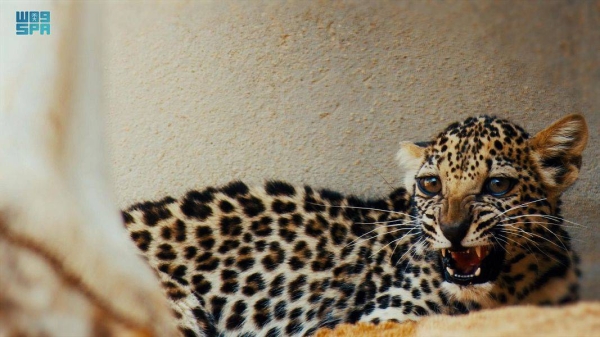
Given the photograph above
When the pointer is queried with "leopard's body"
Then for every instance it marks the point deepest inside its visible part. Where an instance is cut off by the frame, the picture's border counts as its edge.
(280, 260)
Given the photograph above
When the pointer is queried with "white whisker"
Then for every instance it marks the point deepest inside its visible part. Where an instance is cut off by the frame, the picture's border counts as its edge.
(539, 236)
(543, 224)
(520, 206)
(365, 208)
(405, 236)
(358, 239)
(550, 217)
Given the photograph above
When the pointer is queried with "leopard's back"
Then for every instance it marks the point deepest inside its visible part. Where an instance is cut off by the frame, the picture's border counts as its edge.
(281, 259)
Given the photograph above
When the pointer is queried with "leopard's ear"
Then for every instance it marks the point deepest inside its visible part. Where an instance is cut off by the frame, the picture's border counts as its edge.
(411, 156)
(557, 150)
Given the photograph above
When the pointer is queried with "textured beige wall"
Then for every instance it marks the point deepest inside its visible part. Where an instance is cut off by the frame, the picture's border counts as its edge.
(320, 93)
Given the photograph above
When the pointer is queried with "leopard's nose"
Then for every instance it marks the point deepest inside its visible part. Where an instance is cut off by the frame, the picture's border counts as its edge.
(455, 232)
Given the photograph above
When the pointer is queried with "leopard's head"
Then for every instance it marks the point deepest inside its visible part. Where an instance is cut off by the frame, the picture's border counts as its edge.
(486, 195)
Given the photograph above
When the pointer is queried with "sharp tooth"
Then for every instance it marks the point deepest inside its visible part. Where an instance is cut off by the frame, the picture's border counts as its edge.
(450, 271)
(478, 251)
(478, 271)
(444, 252)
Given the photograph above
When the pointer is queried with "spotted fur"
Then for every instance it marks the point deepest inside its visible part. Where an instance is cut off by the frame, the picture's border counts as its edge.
(279, 260)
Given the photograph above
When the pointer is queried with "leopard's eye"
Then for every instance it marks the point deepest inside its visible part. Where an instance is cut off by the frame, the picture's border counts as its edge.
(430, 186)
(499, 186)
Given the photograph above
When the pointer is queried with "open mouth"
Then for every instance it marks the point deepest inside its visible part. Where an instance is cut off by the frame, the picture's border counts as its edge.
(472, 265)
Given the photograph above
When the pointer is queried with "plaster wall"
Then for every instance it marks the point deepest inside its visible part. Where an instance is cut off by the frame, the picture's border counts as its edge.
(320, 93)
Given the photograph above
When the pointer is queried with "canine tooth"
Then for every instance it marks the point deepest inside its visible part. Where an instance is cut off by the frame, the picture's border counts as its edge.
(450, 271)
(478, 251)
(444, 252)
(478, 271)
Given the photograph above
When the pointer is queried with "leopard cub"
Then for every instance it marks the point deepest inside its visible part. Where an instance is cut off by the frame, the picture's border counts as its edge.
(476, 225)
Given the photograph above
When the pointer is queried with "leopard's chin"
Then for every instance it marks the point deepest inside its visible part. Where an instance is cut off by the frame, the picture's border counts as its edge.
(471, 265)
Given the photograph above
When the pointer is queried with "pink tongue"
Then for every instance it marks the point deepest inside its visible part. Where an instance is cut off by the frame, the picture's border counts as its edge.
(466, 262)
